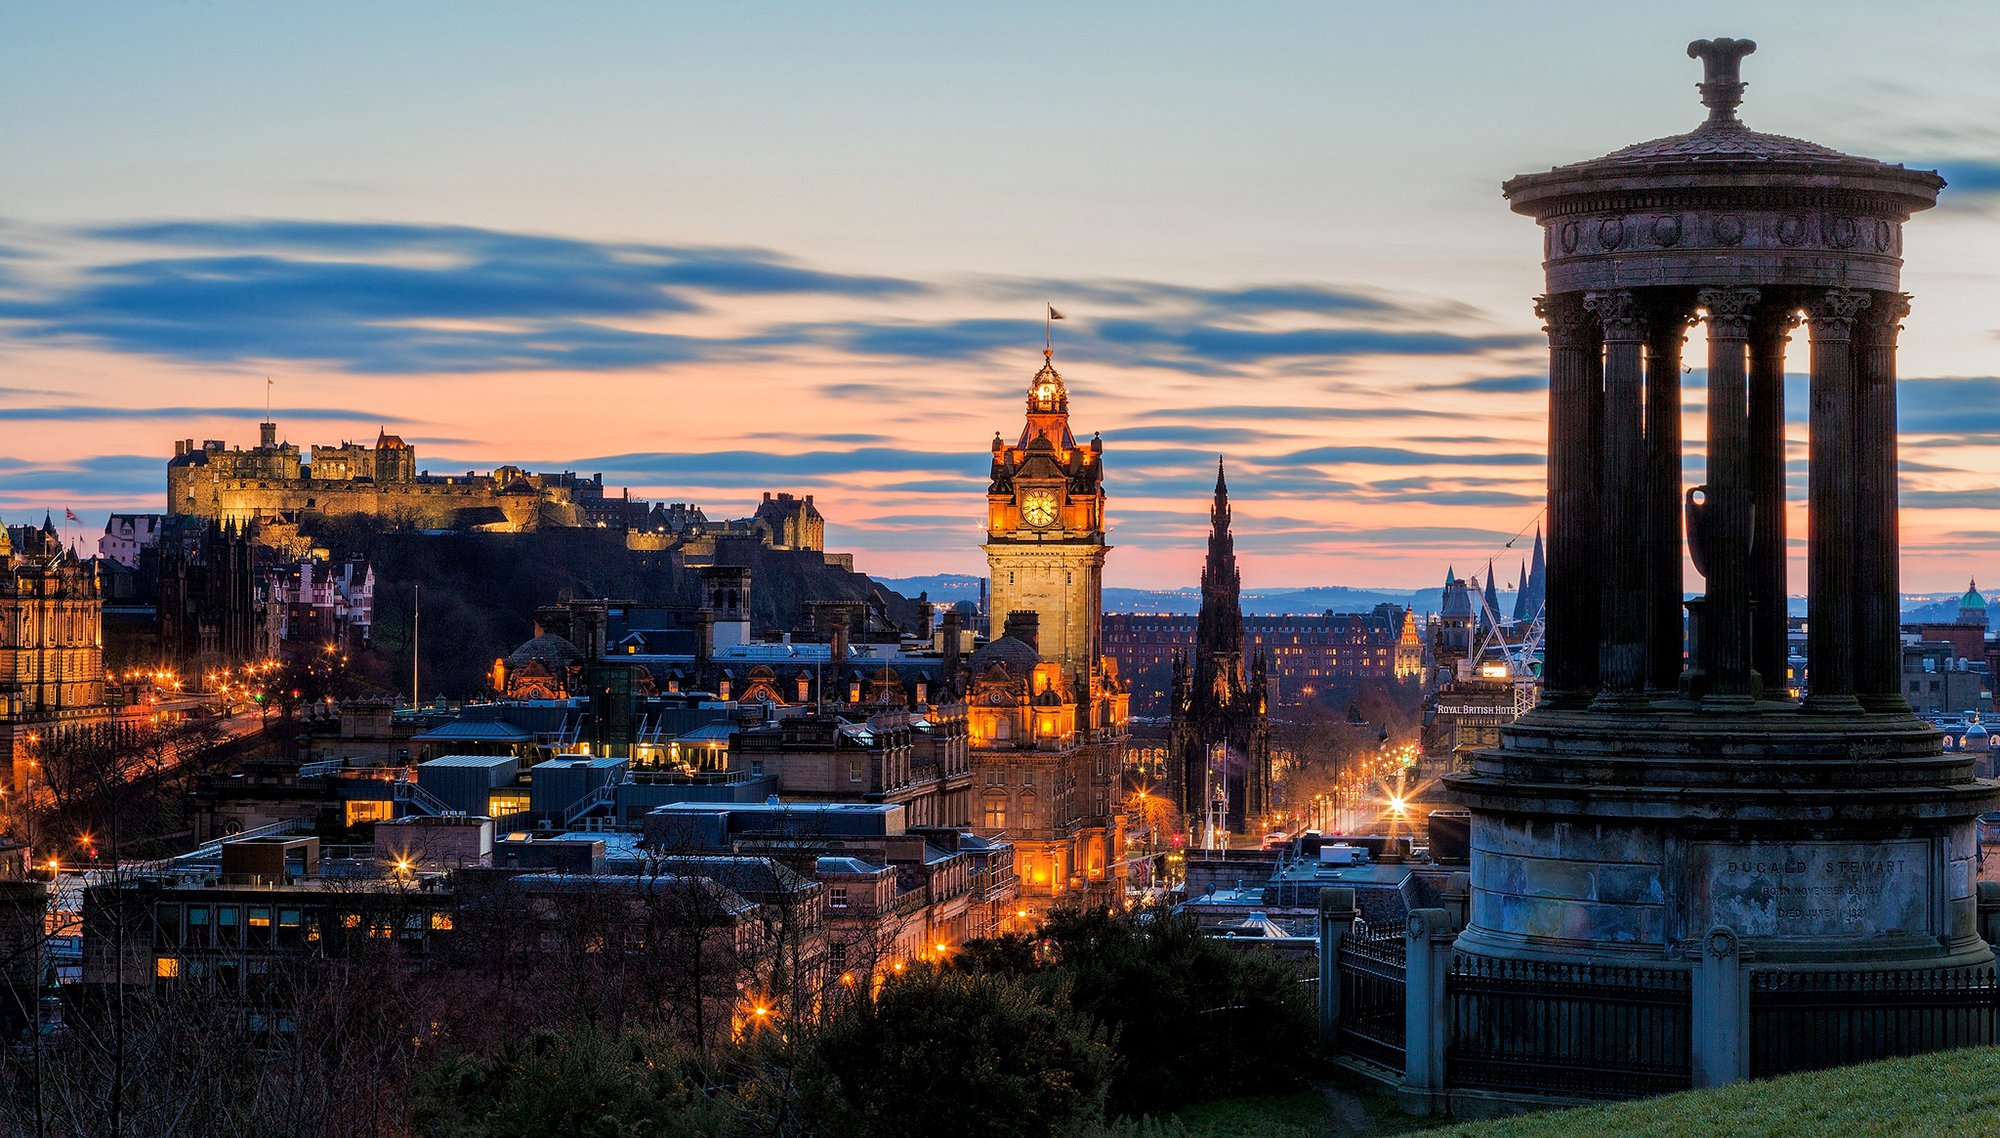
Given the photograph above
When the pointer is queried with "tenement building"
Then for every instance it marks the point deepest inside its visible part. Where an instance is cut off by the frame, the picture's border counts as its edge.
(51, 644)
(1046, 710)
(1685, 822)
(1219, 766)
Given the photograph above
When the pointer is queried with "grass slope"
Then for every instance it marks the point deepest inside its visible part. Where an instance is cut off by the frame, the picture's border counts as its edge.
(1948, 1095)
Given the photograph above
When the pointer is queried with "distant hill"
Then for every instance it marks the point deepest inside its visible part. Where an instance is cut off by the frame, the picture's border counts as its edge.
(1258, 602)
(1321, 598)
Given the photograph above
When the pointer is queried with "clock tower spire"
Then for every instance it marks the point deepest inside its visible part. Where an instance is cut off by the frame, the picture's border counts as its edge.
(1045, 529)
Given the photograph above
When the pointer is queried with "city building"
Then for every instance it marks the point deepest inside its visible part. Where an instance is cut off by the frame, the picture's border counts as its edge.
(1304, 654)
(1046, 709)
(1219, 772)
(51, 644)
(126, 535)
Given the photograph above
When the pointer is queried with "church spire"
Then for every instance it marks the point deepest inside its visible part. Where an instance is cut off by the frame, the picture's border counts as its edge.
(1219, 630)
(1218, 514)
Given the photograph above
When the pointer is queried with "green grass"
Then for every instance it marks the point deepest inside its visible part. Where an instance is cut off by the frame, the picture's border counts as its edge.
(1951, 1095)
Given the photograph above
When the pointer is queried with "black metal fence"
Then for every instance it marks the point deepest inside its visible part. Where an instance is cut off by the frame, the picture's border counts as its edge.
(1372, 993)
(1801, 1021)
(1567, 1029)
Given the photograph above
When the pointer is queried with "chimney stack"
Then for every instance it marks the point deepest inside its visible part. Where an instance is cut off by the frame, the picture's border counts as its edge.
(1025, 625)
(951, 636)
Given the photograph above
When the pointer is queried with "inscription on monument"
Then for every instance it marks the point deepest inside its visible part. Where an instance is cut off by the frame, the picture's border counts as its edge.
(1813, 889)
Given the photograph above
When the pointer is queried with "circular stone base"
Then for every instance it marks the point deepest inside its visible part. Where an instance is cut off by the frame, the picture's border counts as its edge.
(1819, 840)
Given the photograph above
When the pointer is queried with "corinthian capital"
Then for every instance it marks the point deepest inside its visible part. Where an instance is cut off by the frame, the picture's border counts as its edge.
(1884, 316)
(1729, 310)
(1619, 312)
(1563, 318)
(1830, 315)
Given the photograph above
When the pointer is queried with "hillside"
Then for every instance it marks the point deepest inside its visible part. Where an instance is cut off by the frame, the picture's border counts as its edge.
(1953, 1095)
(480, 592)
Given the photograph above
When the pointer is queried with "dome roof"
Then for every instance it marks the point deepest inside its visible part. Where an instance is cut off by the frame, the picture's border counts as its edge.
(1015, 655)
(1972, 599)
(1724, 154)
(548, 648)
(1724, 140)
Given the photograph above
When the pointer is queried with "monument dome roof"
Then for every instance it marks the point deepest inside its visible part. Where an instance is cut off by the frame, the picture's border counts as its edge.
(1723, 152)
(1973, 598)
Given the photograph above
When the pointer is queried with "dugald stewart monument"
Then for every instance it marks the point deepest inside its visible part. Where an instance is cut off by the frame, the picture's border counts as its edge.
(1692, 820)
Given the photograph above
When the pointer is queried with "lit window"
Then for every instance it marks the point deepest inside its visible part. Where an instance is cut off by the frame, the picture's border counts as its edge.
(441, 922)
(167, 968)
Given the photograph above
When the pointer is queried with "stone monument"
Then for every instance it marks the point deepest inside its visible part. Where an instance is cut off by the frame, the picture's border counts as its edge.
(1654, 801)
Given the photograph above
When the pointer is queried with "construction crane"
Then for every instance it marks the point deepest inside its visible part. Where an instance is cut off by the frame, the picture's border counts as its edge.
(1518, 655)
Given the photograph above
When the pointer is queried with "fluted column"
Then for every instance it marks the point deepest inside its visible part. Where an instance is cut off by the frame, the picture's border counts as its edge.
(1769, 644)
(1878, 664)
(1722, 538)
(1621, 574)
(1830, 497)
(1667, 334)
(1570, 636)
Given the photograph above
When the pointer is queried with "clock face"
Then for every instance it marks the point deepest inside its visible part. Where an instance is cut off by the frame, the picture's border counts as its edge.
(1038, 508)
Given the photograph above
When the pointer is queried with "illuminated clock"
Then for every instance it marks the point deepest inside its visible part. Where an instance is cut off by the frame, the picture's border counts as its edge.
(1038, 508)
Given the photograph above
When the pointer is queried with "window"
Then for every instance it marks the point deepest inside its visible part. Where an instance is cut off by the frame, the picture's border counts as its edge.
(441, 922)
(260, 925)
(996, 813)
(197, 926)
(228, 930)
(854, 770)
(167, 968)
(837, 899)
(1027, 778)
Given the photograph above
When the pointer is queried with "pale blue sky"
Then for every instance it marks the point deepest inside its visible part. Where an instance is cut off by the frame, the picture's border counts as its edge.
(964, 160)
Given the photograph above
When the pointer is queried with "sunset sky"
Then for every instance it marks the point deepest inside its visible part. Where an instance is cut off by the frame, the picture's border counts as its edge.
(712, 250)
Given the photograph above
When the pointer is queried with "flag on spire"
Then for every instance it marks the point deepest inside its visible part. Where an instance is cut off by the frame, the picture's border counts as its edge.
(1054, 315)
(71, 515)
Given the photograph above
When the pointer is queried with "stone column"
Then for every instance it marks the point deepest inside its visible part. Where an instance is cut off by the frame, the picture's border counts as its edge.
(1769, 646)
(1621, 659)
(1722, 541)
(1336, 924)
(1878, 650)
(1426, 1024)
(1721, 1011)
(1667, 327)
(1830, 497)
(1571, 633)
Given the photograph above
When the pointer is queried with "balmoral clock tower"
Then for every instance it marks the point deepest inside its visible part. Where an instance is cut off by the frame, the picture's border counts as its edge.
(1045, 529)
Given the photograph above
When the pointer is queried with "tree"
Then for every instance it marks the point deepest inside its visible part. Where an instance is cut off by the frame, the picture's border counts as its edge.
(577, 1082)
(1190, 1018)
(977, 1055)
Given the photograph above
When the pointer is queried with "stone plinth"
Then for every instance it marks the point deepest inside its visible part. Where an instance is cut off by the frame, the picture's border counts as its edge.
(1837, 840)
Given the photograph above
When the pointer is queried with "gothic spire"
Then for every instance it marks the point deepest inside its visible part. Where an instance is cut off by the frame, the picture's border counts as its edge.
(1219, 629)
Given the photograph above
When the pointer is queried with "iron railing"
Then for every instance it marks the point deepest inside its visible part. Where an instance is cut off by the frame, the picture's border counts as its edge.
(1802, 1021)
(1372, 996)
(1575, 1030)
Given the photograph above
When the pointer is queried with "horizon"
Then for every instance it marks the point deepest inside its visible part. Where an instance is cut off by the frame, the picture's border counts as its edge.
(708, 271)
